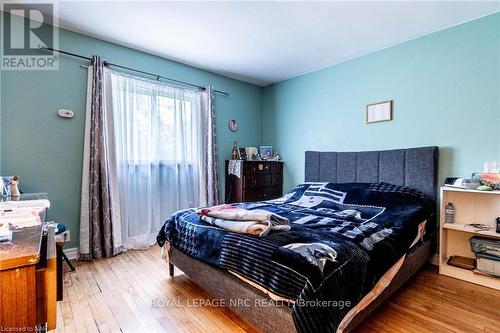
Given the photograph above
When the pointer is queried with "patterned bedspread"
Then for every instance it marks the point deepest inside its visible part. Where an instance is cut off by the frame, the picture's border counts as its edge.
(343, 238)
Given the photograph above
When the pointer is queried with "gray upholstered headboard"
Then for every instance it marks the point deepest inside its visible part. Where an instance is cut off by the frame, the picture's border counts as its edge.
(413, 167)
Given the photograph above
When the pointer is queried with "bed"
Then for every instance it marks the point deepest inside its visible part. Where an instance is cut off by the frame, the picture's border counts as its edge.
(402, 176)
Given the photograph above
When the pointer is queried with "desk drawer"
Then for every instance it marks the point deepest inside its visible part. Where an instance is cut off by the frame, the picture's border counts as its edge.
(46, 280)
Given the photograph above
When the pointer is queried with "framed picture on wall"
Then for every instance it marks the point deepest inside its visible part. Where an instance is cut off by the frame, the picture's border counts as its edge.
(378, 112)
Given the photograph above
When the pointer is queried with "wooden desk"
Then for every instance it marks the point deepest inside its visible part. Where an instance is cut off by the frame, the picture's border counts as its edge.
(28, 280)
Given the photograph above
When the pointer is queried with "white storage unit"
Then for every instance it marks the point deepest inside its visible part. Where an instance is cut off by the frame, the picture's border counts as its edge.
(471, 207)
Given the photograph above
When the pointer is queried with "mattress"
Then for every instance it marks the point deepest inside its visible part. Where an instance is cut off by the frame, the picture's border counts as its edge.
(377, 290)
(344, 239)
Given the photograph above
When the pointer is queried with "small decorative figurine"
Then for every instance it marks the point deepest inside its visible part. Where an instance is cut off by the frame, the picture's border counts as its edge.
(14, 187)
(234, 155)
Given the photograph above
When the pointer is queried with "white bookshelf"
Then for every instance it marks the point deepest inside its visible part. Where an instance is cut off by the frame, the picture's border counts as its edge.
(470, 207)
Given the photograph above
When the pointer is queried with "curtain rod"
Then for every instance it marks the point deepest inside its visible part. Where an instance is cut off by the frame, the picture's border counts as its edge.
(158, 77)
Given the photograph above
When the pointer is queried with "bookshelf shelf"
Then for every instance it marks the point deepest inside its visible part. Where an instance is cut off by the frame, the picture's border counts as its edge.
(471, 207)
(472, 230)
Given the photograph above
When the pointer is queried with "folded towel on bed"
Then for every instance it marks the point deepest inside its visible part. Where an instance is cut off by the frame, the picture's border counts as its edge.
(254, 222)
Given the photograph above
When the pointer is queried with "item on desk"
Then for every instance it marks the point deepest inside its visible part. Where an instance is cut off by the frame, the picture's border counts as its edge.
(465, 183)
(26, 204)
(449, 213)
(5, 232)
(251, 152)
(484, 188)
(20, 218)
(462, 262)
(6, 180)
(498, 224)
(14, 187)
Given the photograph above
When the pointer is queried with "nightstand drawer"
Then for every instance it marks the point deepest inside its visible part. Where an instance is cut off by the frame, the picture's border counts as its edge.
(252, 195)
(262, 168)
(261, 194)
(262, 181)
(258, 181)
(276, 168)
(248, 181)
(272, 192)
(276, 180)
(248, 168)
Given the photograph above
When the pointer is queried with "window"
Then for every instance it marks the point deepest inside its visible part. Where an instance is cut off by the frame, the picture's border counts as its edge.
(158, 124)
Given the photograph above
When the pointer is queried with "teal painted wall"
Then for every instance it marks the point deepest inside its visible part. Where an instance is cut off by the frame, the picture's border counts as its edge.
(46, 151)
(445, 87)
(446, 92)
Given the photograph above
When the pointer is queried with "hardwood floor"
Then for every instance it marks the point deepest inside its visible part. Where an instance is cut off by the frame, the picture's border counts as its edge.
(132, 292)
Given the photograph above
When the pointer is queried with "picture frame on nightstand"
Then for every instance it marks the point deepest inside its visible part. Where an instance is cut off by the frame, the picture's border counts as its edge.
(243, 154)
(266, 152)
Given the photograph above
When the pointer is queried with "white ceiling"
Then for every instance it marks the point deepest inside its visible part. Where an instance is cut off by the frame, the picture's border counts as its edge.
(264, 42)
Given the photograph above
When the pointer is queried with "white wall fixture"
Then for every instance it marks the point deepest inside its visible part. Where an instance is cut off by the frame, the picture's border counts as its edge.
(233, 125)
(65, 113)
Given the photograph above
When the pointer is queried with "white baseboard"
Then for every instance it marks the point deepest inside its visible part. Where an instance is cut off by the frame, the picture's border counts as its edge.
(72, 253)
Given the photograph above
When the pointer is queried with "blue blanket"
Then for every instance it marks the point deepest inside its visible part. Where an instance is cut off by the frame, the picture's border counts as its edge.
(343, 238)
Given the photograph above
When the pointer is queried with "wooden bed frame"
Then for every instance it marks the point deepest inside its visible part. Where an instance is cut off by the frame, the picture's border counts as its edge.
(413, 167)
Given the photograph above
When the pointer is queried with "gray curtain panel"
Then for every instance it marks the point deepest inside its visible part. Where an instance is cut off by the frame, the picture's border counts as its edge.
(100, 224)
(212, 169)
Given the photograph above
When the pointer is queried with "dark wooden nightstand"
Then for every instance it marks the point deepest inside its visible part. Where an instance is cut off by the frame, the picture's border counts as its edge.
(259, 180)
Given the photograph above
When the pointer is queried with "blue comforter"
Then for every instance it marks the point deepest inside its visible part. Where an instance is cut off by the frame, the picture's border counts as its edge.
(343, 238)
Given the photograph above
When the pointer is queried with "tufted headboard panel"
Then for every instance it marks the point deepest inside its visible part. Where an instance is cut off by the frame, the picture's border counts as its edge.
(413, 167)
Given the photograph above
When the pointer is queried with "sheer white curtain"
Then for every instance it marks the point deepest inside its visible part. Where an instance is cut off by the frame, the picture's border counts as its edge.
(156, 153)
